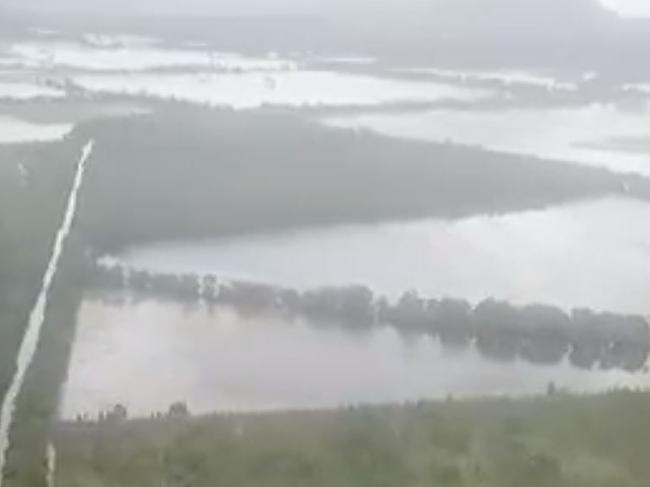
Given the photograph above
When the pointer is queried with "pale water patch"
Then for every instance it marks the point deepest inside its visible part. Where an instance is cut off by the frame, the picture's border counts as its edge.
(15, 64)
(149, 355)
(27, 91)
(350, 60)
(505, 76)
(566, 133)
(13, 130)
(118, 40)
(299, 88)
(594, 254)
(129, 56)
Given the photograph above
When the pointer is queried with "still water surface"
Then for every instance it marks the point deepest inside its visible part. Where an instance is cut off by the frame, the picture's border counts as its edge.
(150, 354)
(138, 56)
(290, 88)
(593, 254)
(14, 130)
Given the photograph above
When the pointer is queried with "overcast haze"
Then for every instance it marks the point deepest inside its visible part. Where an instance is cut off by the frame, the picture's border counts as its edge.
(624, 7)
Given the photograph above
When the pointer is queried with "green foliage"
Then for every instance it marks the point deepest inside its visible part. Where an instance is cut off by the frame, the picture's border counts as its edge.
(559, 441)
(39, 399)
(35, 180)
(31, 209)
(193, 172)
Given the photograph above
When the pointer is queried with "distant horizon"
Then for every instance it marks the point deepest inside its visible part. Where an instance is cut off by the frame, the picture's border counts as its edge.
(253, 8)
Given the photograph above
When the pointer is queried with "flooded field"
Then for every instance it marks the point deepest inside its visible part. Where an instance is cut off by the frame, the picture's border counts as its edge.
(600, 135)
(13, 130)
(504, 76)
(299, 88)
(415, 233)
(125, 55)
(16, 90)
(565, 256)
(150, 354)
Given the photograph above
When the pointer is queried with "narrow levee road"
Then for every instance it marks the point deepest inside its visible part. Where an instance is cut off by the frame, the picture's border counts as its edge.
(32, 335)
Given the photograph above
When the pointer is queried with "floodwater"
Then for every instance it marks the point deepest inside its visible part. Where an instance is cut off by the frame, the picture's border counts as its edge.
(350, 60)
(594, 254)
(26, 91)
(594, 134)
(150, 354)
(118, 54)
(505, 76)
(290, 88)
(14, 130)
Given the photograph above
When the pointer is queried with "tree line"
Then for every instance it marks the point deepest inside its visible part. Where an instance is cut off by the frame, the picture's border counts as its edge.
(536, 333)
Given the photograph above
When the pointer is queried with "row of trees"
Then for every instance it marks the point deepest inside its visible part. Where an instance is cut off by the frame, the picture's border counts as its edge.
(536, 333)
(120, 414)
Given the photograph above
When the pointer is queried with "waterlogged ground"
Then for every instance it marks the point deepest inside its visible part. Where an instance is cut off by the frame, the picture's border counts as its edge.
(135, 55)
(149, 354)
(594, 254)
(600, 135)
(288, 88)
(22, 90)
(198, 74)
(13, 130)
(548, 81)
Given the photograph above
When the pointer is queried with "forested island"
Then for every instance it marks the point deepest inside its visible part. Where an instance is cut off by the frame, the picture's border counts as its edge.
(268, 170)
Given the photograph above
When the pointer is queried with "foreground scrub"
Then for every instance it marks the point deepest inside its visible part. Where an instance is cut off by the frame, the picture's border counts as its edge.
(556, 441)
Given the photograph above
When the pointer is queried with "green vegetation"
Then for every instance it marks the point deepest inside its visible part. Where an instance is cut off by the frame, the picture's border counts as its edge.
(39, 399)
(35, 181)
(34, 184)
(557, 441)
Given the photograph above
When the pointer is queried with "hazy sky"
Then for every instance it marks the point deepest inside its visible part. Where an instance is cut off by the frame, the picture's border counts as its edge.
(624, 7)
(629, 7)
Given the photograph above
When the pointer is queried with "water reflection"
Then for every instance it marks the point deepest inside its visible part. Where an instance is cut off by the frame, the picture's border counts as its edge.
(541, 334)
(150, 354)
(565, 256)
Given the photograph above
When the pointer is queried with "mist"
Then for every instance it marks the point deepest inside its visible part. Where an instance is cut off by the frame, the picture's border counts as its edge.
(301, 7)
(324, 242)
